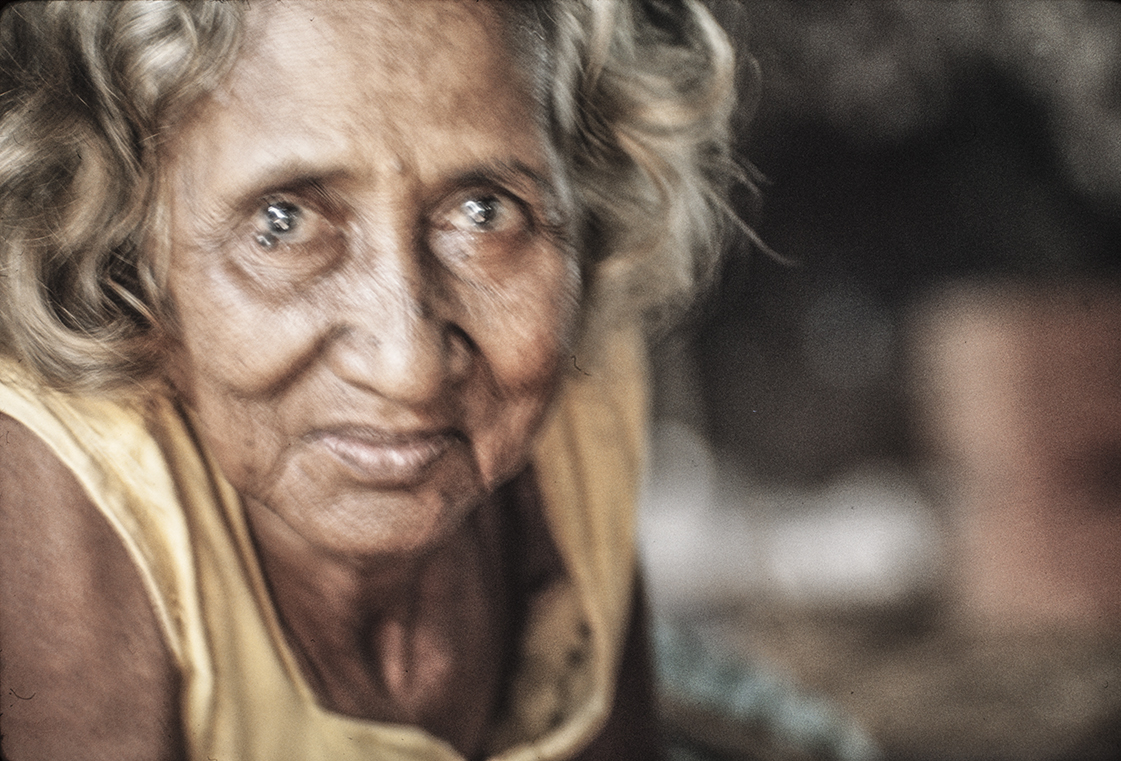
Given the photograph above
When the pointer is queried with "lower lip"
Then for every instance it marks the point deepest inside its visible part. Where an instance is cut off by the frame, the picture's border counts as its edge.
(388, 463)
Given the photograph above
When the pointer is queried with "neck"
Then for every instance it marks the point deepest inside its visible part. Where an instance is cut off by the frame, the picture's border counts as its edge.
(337, 587)
(406, 640)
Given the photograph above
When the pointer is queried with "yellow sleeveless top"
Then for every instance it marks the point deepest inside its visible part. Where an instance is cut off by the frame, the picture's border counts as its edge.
(243, 697)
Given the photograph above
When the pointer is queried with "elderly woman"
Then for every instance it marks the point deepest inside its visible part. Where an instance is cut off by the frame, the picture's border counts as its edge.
(322, 383)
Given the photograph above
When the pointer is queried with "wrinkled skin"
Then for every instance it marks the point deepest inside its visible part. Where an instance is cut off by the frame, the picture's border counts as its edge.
(371, 374)
(373, 289)
(371, 368)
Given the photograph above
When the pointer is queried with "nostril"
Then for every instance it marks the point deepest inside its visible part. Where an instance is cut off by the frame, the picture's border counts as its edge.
(410, 360)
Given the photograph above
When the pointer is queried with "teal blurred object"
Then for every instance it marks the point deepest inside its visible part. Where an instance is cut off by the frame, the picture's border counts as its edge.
(717, 707)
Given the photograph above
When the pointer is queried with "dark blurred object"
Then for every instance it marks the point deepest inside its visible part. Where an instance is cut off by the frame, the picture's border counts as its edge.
(910, 146)
(905, 144)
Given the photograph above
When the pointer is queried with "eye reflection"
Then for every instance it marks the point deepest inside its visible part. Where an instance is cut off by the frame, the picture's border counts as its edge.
(480, 211)
(281, 218)
(484, 213)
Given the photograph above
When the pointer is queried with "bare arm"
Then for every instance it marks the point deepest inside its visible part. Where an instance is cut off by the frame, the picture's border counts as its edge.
(84, 670)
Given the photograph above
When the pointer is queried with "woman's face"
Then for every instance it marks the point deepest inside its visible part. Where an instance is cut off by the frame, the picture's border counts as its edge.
(369, 268)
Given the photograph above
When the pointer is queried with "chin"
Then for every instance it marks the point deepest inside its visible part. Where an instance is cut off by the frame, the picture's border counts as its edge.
(347, 517)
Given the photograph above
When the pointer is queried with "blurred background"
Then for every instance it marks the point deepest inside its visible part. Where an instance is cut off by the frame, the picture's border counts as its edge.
(887, 462)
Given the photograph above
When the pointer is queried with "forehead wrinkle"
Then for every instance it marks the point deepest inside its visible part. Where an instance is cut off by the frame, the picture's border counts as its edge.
(393, 37)
(406, 83)
(375, 120)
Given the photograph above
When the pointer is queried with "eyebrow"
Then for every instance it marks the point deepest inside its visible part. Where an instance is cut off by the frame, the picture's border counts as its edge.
(503, 172)
(285, 175)
(511, 172)
(298, 174)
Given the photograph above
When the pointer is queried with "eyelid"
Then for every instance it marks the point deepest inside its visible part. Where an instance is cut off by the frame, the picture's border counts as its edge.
(453, 203)
(535, 193)
(308, 192)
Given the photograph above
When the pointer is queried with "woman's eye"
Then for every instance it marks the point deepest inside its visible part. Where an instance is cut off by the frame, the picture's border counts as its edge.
(293, 237)
(483, 214)
(280, 221)
(482, 228)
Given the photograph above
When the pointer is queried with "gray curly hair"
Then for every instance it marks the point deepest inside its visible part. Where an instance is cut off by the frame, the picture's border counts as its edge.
(638, 94)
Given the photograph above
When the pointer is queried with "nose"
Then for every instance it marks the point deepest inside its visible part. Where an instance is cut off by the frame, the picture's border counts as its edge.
(396, 335)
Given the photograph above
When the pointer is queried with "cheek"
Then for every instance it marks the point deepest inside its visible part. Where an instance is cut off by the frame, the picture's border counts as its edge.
(231, 350)
(232, 339)
(525, 336)
(529, 324)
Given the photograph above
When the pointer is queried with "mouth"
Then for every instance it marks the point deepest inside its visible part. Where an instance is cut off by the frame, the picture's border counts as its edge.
(387, 460)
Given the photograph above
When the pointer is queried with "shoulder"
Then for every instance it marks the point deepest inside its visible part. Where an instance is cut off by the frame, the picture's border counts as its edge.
(84, 669)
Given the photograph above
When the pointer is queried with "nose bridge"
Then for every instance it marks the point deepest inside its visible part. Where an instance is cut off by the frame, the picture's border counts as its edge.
(393, 337)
